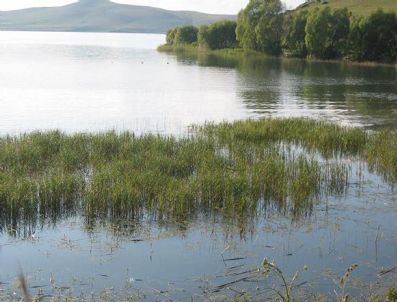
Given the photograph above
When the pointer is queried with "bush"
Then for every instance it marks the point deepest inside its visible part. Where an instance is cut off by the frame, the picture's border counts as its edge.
(269, 33)
(245, 31)
(374, 38)
(327, 33)
(185, 35)
(259, 26)
(218, 35)
(170, 38)
(322, 33)
(294, 37)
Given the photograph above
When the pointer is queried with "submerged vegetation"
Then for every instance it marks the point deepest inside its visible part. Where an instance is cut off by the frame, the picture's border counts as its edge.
(234, 169)
(271, 284)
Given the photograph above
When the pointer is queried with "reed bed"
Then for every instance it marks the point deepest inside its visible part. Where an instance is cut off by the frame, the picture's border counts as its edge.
(231, 168)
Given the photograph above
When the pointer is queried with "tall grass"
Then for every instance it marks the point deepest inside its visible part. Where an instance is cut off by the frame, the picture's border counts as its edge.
(232, 169)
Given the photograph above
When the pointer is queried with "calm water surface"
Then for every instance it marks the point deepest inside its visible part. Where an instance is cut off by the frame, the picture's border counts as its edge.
(94, 82)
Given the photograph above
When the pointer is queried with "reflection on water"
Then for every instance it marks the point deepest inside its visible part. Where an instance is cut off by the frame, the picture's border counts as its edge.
(114, 81)
(93, 82)
(350, 94)
(63, 251)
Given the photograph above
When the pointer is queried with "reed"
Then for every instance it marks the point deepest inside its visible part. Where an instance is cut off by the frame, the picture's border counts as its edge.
(232, 169)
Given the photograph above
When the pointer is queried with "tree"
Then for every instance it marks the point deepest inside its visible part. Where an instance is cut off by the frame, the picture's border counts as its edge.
(327, 33)
(202, 35)
(245, 31)
(294, 38)
(247, 20)
(374, 38)
(269, 32)
(170, 38)
(340, 28)
(317, 32)
(356, 47)
(186, 35)
(259, 26)
(218, 35)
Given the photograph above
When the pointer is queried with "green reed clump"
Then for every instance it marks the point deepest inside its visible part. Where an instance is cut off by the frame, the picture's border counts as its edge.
(378, 149)
(178, 177)
(392, 295)
(381, 154)
(63, 188)
(31, 153)
(231, 168)
(328, 138)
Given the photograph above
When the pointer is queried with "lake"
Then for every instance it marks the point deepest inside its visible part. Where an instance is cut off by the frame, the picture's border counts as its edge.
(83, 82)
(93, 82)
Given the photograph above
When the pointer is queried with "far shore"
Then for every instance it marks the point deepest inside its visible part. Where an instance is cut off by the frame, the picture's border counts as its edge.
(239, 52)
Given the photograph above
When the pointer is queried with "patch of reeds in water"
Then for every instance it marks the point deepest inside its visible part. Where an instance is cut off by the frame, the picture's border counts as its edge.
(231, 168)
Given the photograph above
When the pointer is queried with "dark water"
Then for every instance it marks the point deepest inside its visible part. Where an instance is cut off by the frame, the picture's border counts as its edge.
(349, 94)
(94, 82)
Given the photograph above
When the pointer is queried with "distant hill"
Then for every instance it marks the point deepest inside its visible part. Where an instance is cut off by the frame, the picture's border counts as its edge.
(357, 7)
(102, 16)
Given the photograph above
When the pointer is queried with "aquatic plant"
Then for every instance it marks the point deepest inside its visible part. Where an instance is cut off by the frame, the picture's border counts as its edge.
(392, 295)
(235, 170)
(271, 268)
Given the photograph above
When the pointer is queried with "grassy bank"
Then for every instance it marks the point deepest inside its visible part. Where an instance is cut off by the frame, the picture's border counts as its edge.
(357, 7)
(230, 168)
(237, 53)
(179, 48)
(196, 49)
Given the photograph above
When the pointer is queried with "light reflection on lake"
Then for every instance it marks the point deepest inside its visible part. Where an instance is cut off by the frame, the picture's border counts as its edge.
(94, 82)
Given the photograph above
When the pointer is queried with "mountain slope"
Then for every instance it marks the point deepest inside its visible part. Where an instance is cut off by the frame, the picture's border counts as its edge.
(357, 7)
(102, 16)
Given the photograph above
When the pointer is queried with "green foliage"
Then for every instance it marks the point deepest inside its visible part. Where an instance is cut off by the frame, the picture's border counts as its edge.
(340, 28)
(245, 31)
(295, 34)
(323, 34)
(318, 33)
(202, 36)
(170, 37)
(327, 33)
(218, 35)
(185, 35)
(392, 295)
(356, 37)
(268, 34)
(259, 26)
(359, 8)
(374, 38)
(237, 167)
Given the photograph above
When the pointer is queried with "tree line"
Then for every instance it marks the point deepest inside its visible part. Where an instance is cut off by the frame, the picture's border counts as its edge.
(265, 26)
(219, 35)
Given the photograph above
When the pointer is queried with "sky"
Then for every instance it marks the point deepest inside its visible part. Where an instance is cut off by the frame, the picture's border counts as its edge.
(208, 6)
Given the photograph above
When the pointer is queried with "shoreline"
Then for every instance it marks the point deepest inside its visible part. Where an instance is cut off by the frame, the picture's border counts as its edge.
(239, 52)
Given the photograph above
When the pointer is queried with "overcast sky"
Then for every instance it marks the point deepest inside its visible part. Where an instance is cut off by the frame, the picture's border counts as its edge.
(209, 6)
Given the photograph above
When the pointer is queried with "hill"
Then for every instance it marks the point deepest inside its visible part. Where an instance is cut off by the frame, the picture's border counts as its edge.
(102, 16)
(357, 7)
